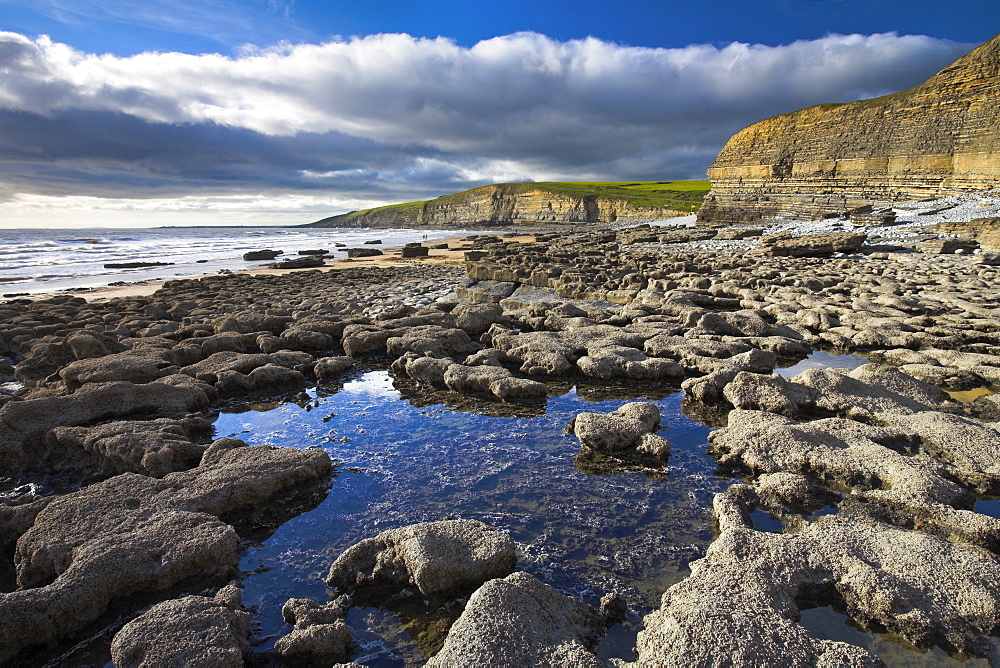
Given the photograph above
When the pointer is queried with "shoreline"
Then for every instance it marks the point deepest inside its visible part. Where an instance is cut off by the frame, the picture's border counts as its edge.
(391, 256)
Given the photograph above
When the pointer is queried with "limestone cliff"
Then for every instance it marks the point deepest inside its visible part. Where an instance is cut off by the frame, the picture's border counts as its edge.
(939, 138)
(509, 204)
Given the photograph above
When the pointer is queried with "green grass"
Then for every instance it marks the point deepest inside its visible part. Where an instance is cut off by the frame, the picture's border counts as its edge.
(676, 195)
(402, 210)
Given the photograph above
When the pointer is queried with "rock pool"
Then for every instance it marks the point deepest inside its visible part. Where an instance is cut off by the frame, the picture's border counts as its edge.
(584, 525)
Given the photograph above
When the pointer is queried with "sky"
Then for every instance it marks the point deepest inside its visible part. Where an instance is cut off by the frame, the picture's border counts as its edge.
(128, 113)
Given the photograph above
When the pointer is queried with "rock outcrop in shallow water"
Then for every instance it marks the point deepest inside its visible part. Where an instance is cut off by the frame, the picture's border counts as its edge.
(631, 427)
(438, 558)
(743, 599)
(190, 631)
(132, 533)
(319, 637)
(519, 621)
(939, 138)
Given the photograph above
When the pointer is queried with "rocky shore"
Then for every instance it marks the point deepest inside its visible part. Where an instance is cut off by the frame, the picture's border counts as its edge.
(873, 473)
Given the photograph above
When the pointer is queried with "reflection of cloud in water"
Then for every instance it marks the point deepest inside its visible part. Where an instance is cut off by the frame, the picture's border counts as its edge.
(820, 359)
(374, 384)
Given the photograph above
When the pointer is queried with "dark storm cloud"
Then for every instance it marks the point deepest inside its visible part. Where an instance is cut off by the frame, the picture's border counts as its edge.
(107, 154)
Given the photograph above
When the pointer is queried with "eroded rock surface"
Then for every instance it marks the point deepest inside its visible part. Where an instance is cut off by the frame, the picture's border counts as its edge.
(520, 621)
(133, 533)
(190, 631)
(741, 599)
(438, 558)
(319, 637)
(631, 426)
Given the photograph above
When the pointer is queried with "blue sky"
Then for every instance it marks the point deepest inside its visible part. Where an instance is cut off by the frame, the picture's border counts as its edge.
(130, 112)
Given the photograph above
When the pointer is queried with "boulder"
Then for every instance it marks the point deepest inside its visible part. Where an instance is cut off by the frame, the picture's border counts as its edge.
(948, 246)
(429, 370)
(473, 379)
(302, 338)
(432, 340)
(539, 353)
(772, 393)
(134, 366)
(411, 251)
(614, 362)
(519, 621)
(813, 245)
(303, 262)
(266, 254)
(234, 373)
(476, 318)
(679, 347)
(739, 323)
(486, 291)
(327, 368)
(721, 372)
(319, 637)
(616, 431)
(86, 345)
(23, 424)
(160, 551)
(132, 533)
(190, 631)
(42, 361)
(239, 478)
(440, 559)
(518, 389)
(363, 252)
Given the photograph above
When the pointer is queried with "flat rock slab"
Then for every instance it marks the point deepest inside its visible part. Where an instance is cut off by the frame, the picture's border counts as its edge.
(133, 533)
(740, 600)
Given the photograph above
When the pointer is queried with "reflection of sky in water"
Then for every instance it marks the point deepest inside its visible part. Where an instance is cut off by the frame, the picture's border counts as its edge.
(373, 384)
(830, 624)
(400, 464)
(820, 359)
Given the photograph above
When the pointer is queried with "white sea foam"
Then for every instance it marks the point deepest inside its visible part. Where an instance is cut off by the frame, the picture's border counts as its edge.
(42, 261)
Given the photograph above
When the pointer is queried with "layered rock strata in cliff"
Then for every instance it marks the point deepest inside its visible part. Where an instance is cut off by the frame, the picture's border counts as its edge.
(503, 205)
(940, 138)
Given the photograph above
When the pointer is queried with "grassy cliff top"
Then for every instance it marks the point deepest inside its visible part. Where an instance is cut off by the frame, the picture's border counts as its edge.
(676, 195)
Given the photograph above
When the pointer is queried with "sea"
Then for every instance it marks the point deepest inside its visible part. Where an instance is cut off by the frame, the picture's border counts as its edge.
(34, 261)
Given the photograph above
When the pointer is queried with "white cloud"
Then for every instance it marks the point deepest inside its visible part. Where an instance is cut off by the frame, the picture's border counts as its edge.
(421, 117)
(27, 210)
(400, 89)
(235, 203)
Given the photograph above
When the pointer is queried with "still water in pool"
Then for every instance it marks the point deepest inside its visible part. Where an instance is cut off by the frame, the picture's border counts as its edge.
(583, 525)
